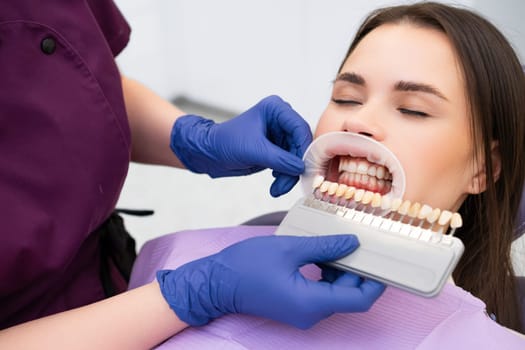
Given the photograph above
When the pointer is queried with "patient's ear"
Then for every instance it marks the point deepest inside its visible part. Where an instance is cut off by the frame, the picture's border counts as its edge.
(478, 183)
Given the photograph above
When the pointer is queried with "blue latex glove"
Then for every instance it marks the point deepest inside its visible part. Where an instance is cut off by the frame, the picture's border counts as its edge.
(260, 276)
(268, 135)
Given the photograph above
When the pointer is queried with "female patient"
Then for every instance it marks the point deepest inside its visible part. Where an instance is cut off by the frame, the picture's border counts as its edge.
(442, 89)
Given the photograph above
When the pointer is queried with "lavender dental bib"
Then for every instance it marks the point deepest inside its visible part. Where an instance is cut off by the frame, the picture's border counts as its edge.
(398, 320)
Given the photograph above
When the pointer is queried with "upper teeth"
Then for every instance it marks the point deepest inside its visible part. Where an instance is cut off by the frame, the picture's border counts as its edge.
(363, 167)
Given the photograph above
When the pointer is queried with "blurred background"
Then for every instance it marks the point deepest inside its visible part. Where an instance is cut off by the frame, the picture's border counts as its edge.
(217, 59)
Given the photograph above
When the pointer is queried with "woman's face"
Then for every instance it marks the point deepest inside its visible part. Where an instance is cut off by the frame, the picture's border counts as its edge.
(403, 87)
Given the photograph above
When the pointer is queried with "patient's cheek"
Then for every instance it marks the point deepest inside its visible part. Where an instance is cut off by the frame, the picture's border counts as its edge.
(322, 128)
(322, 125)
(330, 120)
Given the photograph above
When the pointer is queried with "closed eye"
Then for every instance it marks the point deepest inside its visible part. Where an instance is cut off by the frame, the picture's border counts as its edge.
(346, 102)
(413, 112)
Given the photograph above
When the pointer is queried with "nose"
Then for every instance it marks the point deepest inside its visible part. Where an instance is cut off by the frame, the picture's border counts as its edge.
(366, 121)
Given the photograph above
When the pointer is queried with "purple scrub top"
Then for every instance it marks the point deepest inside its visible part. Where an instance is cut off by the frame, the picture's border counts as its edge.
(64, 150)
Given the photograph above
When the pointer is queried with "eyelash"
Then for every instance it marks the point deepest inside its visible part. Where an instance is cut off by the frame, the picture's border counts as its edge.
(402, 110)
(346, 102)
(412, 112)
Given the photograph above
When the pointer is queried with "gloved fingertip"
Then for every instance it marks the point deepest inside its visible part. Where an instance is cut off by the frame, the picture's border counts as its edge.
(280, 160)
(303, 146)
(341, 245)
(273, 99)
(373, 288)
(347, 242)
(297, 166)
(289, 164)
(348, 279)
(282, 184)
(317, 249)
(353, 241)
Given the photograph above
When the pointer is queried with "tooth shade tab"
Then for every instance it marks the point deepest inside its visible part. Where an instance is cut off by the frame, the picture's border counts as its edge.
(424, 212)
(341, 189)
(332, 188)
(403, 209)
(324, 186)
(444, 218)
(376, 200)
(414, 210)
(434, 215)
(396, 203)
(359, 195)
(386, 203)
(456, 221)
(318, 180)
(367, 197)
(350, 192)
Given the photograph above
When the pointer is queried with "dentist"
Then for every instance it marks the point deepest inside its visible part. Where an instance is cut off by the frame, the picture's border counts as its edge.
(69, 126)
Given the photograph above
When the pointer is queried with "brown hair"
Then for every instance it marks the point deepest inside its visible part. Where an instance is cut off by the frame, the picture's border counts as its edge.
(495, 91)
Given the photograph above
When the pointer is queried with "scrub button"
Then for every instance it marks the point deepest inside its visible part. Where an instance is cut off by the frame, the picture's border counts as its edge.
(48, 45)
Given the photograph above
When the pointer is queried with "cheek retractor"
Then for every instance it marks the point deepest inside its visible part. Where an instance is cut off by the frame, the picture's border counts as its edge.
(401, 243)
(333, 144)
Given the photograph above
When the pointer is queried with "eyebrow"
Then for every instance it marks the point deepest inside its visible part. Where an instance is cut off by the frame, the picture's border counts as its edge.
(411, 86)
(351, 78)
(402, 85)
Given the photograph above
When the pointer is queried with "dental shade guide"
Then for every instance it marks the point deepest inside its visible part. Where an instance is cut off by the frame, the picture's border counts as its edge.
(402, 244)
